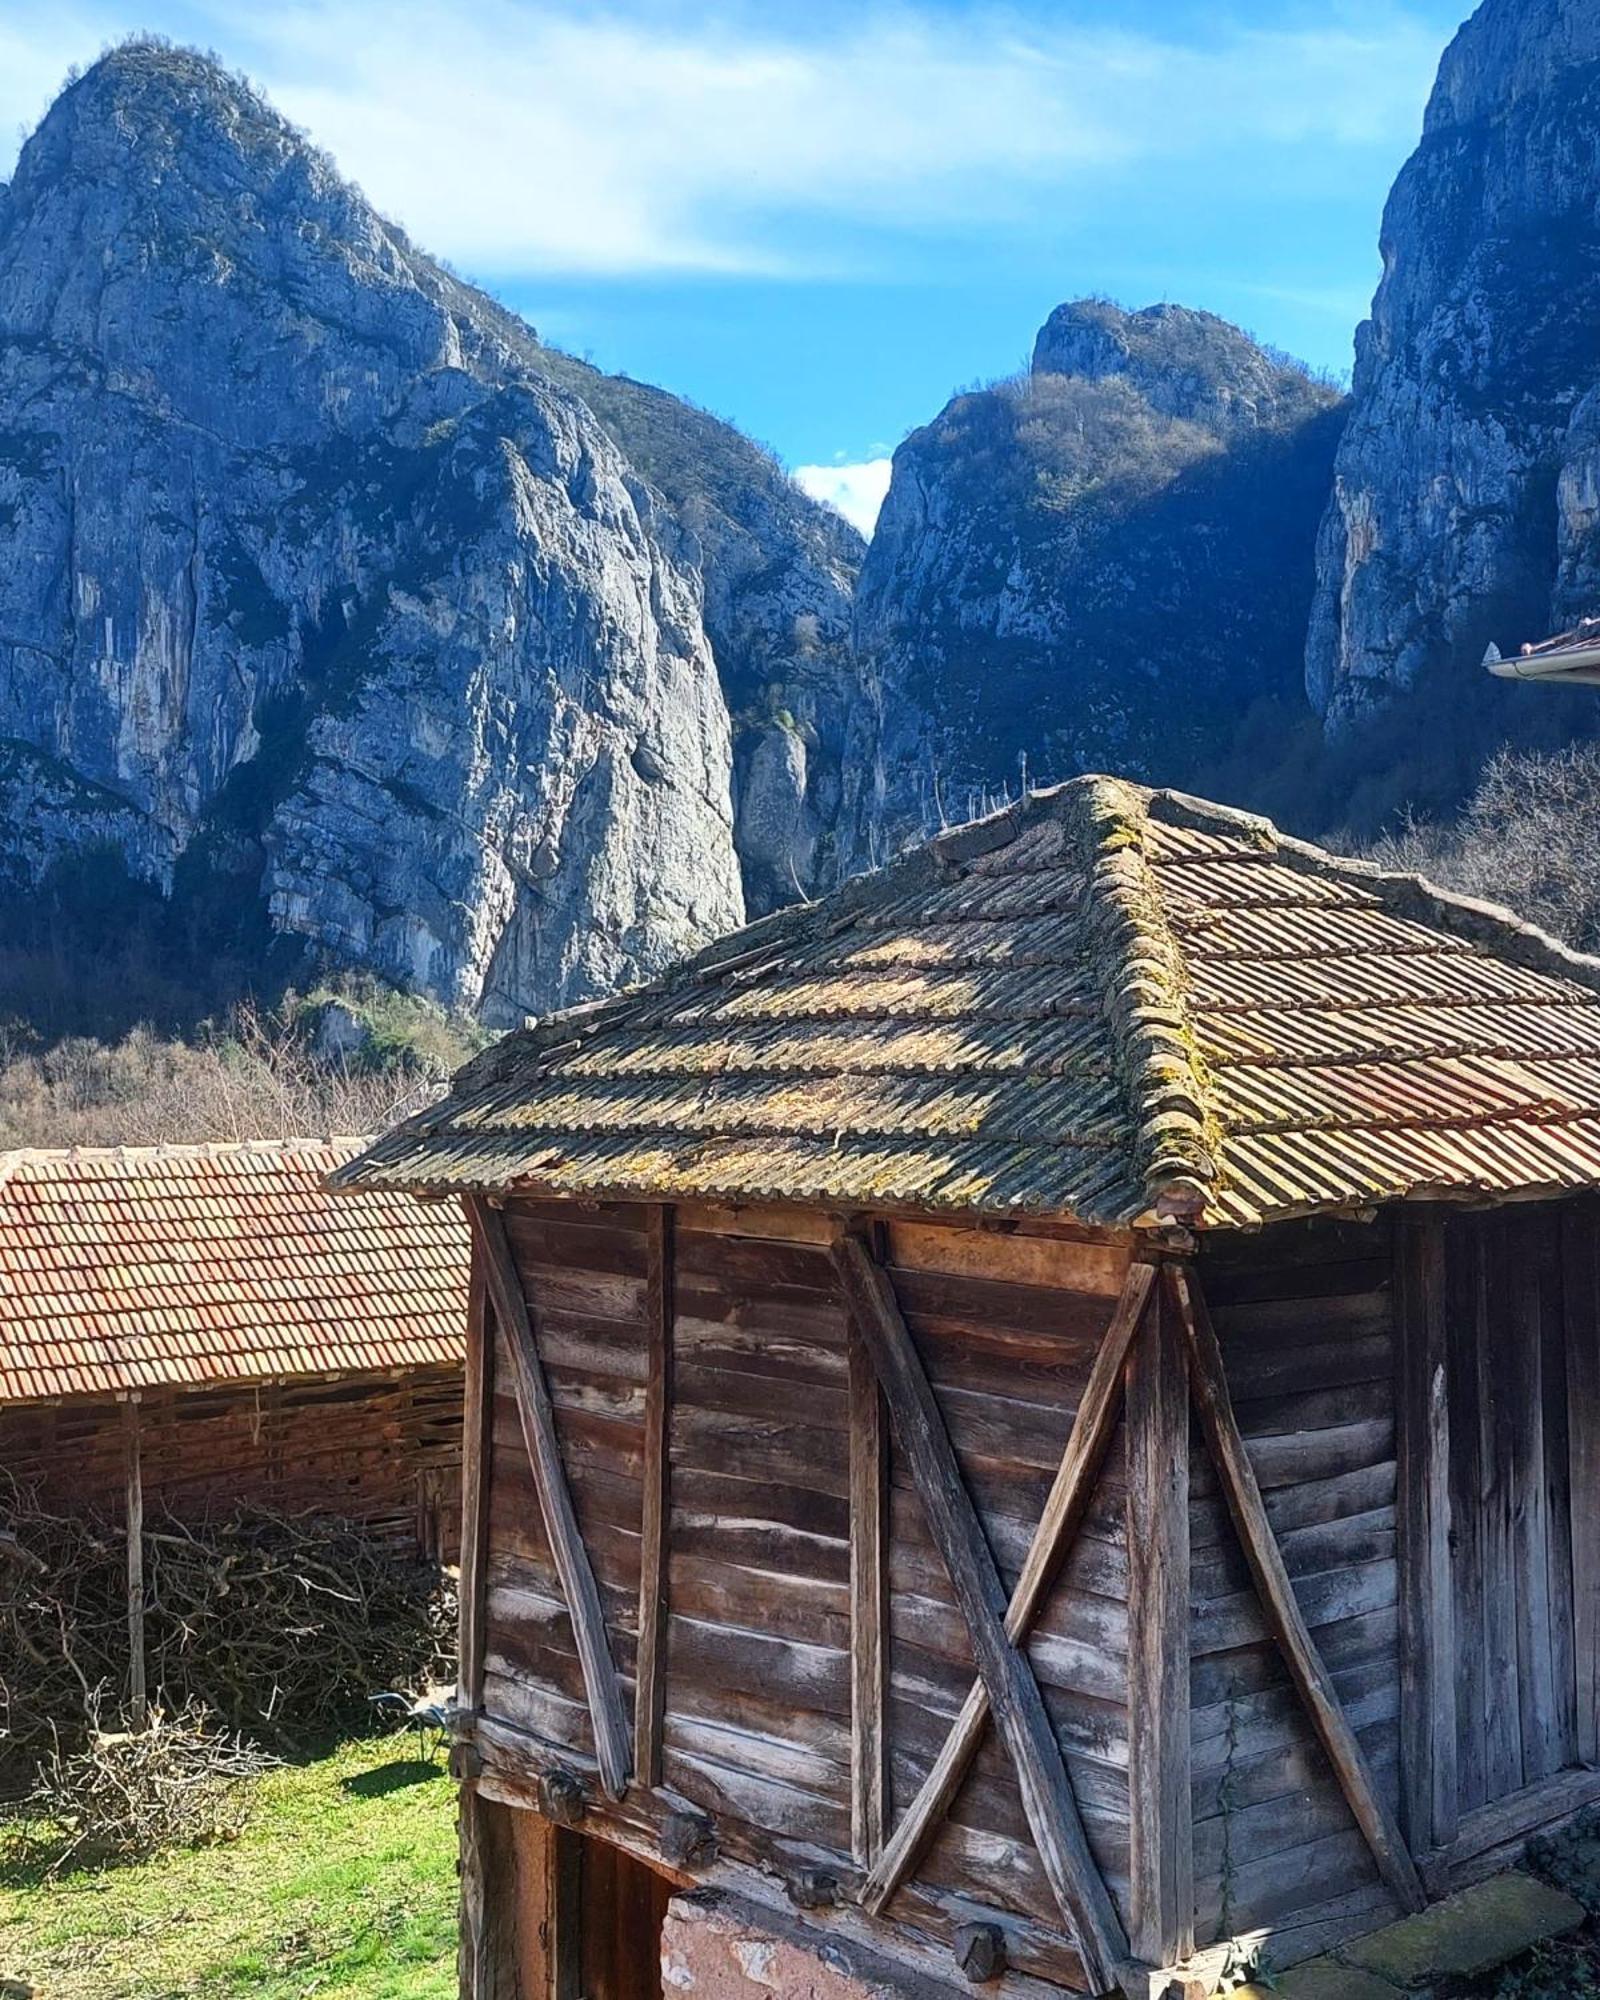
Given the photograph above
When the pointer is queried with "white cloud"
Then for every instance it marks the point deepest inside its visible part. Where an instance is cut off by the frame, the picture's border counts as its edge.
(528, 137)
(856, 490)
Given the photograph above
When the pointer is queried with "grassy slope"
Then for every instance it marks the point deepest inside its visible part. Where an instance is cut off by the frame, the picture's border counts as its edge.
(341, 1887)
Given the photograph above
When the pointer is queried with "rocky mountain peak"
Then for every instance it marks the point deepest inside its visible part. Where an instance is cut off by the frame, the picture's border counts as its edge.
(353, 620)
(1506, 53)
(1184, 363)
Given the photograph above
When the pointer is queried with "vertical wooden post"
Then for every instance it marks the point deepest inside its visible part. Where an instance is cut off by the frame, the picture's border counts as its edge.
(477, 1446)
(650, 1682)
(1581, 1294)
(138, 1694)
(1428, 1790)
(869, 1606)
(1161, 1812)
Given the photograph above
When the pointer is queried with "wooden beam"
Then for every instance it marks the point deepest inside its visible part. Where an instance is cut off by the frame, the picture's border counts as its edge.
(650, 1684)
(1160, 1809)
(869, 1606)
(477, 1444)
(1209, 1384)
(1019, 1710)
(1581, 1293)
(1058, 1525)
(612, 1748)
(1428, 1792)
(133, 1474)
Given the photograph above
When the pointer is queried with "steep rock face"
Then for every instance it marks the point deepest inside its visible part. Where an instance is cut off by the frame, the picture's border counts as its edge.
(1098, 566)
(1466, 488)
(335, 603)
(780, 575)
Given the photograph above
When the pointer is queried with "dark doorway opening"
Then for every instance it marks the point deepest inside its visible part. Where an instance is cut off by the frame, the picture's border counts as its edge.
(621, 1906)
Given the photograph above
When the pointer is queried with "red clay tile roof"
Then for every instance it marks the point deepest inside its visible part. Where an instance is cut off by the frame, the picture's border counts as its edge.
(1104, 1002)
(184, 1266)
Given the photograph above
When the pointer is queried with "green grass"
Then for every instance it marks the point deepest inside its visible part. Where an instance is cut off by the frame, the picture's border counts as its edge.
(342, 1886)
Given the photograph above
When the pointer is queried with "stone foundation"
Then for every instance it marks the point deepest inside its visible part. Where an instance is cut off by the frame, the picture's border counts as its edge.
(716, 1947)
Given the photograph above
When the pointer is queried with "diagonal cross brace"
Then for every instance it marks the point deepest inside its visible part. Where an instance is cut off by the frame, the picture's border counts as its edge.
(1208, 1385)
(1063, 1511)
(612, 1748)
(1013, 1693)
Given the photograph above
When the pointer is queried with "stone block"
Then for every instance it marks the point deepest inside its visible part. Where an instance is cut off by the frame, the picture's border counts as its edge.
(1323, 1979)
(1467, 1933)
(717, 1947)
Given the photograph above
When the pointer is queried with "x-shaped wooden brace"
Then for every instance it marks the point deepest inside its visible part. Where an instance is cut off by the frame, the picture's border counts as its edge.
(997, 1628)
(1006, 1685)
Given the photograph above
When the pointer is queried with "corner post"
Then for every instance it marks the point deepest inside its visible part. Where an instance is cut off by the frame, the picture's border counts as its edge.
(1428, 1789)
(1161, 1829)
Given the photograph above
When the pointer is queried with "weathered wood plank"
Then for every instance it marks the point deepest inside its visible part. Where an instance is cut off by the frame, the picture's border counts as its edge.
(869, 1607)
(1498, 1415)
(1581, 1292)
(1099, 1268)
(1427, 1626)
(544, 1454)
(650, 1692)
(1012, 1692)
(1208, 1382)
(1161, 1855)
(1542, 1749)
(133, 1528)
(477, 1447)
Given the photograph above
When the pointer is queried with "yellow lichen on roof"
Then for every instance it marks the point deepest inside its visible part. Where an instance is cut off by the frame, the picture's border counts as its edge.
(132, 1268)
(1105, 1002)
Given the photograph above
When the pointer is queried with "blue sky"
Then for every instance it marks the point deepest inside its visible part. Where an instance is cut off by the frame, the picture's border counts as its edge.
(819, 219)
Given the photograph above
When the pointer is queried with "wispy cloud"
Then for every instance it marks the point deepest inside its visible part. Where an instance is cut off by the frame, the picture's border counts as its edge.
(524, 138)
(857, 491)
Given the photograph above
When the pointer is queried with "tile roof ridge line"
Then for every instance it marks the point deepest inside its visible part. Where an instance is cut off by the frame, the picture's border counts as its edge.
(1402, 892)
(173, 1149)
(1144, 990)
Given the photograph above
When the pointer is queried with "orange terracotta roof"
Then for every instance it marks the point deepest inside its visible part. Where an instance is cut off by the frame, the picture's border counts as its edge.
(1104, 1002)
(143, 1267)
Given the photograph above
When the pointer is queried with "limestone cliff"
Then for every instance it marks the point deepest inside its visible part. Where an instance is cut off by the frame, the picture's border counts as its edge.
(333, 602)
(1467, 488)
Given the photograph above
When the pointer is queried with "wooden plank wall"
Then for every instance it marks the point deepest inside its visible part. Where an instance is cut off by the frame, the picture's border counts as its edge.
(757, 1705)
(383, 1451)
(1305, 1316)
(1007, 1329)
(1510, 1498)
(583, 1270)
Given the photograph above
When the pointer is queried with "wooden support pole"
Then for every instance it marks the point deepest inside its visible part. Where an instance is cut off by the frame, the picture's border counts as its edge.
(133, 1468)
(1019, 1711)
(869, 1606)
(1160, 1808)
(1428, 1801)
(613, 1748)
(1052, 1538)
(477, 1445)
(650, 1683)
(1209, 1385)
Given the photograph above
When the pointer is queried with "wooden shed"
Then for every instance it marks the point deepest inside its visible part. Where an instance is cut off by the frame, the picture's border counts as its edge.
(196, 1325)
(1027, 1421)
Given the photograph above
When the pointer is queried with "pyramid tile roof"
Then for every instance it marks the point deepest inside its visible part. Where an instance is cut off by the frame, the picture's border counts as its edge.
(1105, 1003)
(139, 1267)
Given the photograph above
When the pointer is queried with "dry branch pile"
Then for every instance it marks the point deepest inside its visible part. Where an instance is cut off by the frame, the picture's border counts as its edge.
(178, 1781)
(280, 1626)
